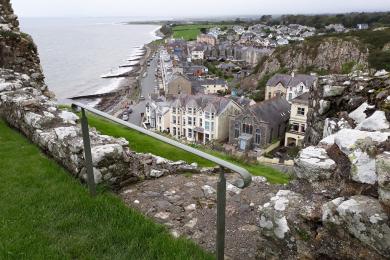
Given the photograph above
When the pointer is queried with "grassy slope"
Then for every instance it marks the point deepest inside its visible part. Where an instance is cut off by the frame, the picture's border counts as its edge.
(46, 214)
(142, 143)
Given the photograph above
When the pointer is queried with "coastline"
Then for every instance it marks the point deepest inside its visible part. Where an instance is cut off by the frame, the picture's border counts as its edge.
(114, 97)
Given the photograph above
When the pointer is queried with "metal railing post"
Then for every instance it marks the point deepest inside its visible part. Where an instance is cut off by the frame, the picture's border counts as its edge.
(221, 206)
(87, 153)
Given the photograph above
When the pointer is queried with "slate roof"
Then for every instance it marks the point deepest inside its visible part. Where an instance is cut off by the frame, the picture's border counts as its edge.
(273, 111)
(218, 104)
(288, 80)
(302, 99)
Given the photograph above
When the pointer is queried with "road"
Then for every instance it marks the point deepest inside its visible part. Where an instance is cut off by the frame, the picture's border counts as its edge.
(148, 85)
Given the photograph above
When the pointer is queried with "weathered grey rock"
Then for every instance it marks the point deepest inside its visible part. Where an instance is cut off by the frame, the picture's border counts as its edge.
(208, 190)
(157, 173)
(313, 164)
(273, 217)
(358, 114)
(324, 106)
(101, 152)
(363, 217)
(332, 91)
(68, 117)
(383, 172)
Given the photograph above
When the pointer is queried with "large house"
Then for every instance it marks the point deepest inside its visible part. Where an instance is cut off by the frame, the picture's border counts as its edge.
(208, 39)
(196, 118)
(289, 86)
(178, 84)
(209, 86)
(298, 120)
(259, 125)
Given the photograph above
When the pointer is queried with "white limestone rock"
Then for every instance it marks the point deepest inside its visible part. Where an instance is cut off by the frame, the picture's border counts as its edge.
(363, 217)
(314, 164)
(231, 188)
(346, 139)
(33, 120)
(63, 133)
(156, 173)
(381, 73)
(274, 214)
(358, 114)
(332, 91)
(324, 106)
(363, 167)
(376, 122)
(68, 117)
(108, 151)
(208, 190)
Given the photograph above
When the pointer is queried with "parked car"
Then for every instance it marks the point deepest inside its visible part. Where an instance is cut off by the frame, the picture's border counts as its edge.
(130, 111)
(125, 117)
(141, 98)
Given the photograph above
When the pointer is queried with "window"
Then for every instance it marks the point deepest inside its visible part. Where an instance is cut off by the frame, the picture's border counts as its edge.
(207, 115)
(269, 95)
(184, 121)
(289, 96)
(159, 119)
(207, 125)
(212, 115)
(303, 128)
(212, 126)
(189, 110)
(257, 137)
(301, 111)
(174, 119)
(247, 129)
(200, 122)
(174, 131)
(207, 137)
(295, 127)
(236, 130)
(174, 110)
(189, 120)
(184, 132)
(189, 133)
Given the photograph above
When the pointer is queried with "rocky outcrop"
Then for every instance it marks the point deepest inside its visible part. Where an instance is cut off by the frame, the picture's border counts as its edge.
(352, 101)
(338, 206)
(327, 54)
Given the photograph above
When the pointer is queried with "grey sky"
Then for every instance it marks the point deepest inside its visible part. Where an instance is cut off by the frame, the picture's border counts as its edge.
(188, 8)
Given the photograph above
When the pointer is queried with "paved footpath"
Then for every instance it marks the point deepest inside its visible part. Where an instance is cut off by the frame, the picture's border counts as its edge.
(186, 204)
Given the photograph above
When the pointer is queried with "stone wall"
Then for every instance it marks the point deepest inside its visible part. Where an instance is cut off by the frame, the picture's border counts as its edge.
(27, 105)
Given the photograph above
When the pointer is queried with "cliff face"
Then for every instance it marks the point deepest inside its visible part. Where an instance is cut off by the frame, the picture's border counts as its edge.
(321, 55)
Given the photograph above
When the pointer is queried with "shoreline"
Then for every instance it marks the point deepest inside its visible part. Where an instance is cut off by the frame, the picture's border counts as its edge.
(124, 86)
(119, 97)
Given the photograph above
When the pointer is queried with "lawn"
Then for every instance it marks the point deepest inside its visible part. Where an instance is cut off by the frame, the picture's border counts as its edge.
(145, 144)
(46, 214)
(189, 32)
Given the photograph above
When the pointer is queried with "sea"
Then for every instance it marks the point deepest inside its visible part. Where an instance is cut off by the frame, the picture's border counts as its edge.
(76, 52)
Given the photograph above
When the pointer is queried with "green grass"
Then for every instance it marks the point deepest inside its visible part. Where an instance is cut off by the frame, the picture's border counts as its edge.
(189, 32)
(145, 144)
(141, 143)
(46, 214)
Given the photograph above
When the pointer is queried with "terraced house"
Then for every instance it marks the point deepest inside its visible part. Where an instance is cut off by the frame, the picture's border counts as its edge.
(289, 86)
(196, 118)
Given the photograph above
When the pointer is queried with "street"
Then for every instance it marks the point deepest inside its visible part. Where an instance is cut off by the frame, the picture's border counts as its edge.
(148, 85)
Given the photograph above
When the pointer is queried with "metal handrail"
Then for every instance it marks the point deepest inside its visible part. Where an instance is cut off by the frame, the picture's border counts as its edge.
(246, 176)
(221, 186)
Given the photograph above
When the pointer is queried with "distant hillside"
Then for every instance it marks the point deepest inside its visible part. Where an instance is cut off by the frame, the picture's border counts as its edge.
(328, 54)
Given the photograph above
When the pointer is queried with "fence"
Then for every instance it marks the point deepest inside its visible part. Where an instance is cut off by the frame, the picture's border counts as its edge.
(221, 188)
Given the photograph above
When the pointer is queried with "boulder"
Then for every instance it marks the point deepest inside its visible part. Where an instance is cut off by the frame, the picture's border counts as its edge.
(376, 122)
(314, 164)
(363, 167)
(383, 172)
(346, 139)
(358, 114)
(362, 217)
(68, 117)
(274, 214)
(106, 152)
(332, 91)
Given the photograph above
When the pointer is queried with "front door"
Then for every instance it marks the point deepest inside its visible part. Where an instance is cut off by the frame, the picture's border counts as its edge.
(200, 137)
(242, 145)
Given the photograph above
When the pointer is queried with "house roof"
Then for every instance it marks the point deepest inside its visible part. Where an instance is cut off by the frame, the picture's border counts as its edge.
(273, 111)
(205, 102)
(302, 99)
(288, 80)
